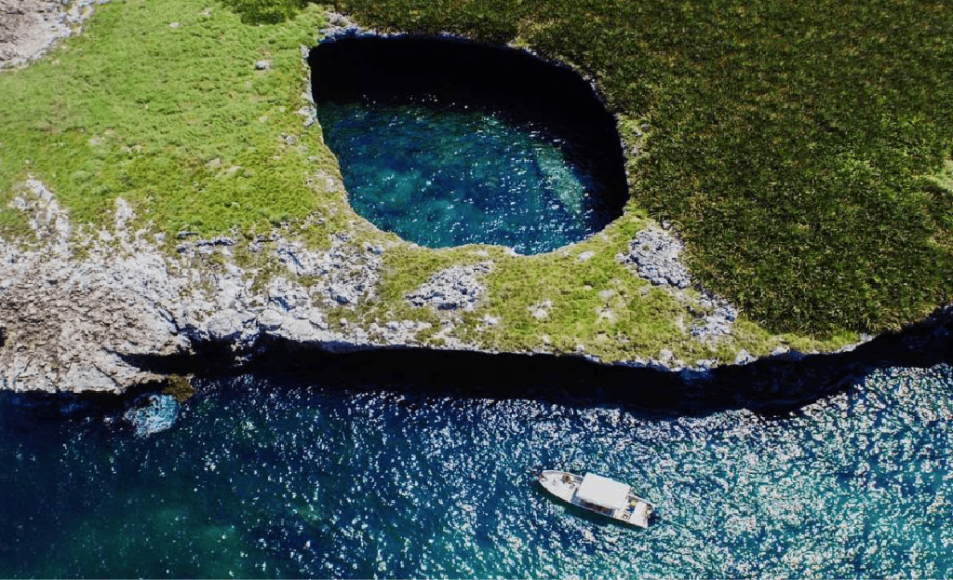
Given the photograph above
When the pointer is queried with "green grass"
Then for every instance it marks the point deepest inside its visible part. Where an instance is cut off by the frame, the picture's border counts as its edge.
(596, 303)
(788, 139)
(808, 169)
(176, 120)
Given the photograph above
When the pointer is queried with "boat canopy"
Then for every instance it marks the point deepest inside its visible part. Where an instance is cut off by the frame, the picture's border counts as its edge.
(603, 491)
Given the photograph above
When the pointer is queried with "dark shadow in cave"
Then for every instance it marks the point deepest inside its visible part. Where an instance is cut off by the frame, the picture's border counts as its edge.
(512, 84)
(774, 386)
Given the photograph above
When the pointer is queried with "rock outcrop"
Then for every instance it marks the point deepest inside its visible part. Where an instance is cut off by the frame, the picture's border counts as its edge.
(456, 288)
(82, 324)
(655, 255)
(29, 28)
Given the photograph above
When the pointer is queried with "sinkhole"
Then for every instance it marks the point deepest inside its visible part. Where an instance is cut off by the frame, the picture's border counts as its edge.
(447, 142)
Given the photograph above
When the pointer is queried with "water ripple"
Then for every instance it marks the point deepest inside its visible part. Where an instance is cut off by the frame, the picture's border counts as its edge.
(448, 175)
(261, 477)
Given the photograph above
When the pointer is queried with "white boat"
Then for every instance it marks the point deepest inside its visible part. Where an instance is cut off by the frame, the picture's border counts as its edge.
(598, 494)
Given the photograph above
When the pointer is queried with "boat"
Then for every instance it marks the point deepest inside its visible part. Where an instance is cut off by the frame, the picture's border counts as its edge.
(598, 494)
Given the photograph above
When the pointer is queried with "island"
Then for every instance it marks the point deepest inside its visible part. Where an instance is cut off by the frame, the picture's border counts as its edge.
(167, 197)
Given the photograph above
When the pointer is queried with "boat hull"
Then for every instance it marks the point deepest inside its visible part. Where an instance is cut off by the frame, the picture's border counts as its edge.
(564, 486)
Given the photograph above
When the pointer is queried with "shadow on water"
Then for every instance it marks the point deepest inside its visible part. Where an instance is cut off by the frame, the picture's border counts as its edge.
(460, 73)
(774, 386)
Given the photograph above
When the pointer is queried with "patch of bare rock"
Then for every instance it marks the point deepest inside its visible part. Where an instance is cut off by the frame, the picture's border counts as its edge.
(29, 28)
(455, 288)
(655, 255)
(85, 324)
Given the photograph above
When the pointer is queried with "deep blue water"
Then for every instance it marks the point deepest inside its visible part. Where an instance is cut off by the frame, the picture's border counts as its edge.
(277, 478)
(444, 175)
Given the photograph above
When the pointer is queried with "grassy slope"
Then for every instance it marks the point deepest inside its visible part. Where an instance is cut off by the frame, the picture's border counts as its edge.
(178, 121)
(789, 139)
(163, 116)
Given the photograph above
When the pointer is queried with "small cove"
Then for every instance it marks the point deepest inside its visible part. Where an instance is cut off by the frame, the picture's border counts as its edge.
(447, 143)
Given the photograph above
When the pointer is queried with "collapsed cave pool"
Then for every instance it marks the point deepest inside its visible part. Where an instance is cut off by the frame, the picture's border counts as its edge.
(447, 142)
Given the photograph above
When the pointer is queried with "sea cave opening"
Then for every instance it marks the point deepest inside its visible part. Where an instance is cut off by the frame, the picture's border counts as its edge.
(447, 142)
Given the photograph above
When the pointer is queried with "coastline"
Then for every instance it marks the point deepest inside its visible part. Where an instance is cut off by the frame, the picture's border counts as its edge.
(64, 332)
(83, 308)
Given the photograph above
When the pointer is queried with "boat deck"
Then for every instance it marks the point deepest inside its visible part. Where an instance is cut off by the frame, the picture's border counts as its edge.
(564, 485)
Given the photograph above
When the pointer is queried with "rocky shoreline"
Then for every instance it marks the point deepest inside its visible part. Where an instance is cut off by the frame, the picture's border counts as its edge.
(78, 324)
(101, 322)
(111, 310)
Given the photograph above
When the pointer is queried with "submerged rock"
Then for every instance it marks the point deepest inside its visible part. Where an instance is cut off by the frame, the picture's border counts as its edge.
(152, 414)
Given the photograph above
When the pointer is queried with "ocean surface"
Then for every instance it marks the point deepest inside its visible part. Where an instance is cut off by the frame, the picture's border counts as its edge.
(259, 476)
(444, 174)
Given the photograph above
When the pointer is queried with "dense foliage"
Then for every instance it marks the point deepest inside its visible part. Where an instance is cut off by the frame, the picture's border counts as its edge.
(792, 143)
(265, 11)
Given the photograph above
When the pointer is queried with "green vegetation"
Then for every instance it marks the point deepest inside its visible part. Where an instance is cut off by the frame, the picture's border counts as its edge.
(803, 151)
(161, 103)
(788, 139)
(266, 11)
(179, 387)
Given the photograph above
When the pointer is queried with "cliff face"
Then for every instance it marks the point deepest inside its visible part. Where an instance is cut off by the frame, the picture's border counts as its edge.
(68, 324)
(86, 323)
(87, 320)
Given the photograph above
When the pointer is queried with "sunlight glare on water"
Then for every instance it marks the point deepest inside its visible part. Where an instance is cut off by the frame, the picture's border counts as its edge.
(277, 478)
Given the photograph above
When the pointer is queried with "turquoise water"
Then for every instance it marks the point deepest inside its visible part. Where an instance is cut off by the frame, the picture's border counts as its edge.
(265, 477)
(447, 175)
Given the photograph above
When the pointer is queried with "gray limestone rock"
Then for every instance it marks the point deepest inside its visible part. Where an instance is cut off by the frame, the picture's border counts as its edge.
(270, 319)
(287, 296)
(654, 255)
(720, 322)
(339, 294)
(152, 414)
(90, 378)
(339, 20)
(744, 357)
(299, 261)
(77, 326)
(456, 288)
(296, 330)
(225, 326)
(29, 28)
